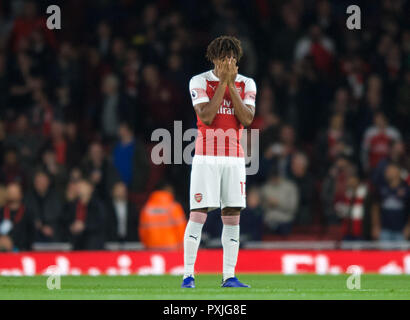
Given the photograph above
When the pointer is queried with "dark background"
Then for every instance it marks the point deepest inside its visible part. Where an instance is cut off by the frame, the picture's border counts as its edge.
(116, 61)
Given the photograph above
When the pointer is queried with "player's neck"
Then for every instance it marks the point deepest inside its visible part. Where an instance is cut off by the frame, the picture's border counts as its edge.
(215, 73)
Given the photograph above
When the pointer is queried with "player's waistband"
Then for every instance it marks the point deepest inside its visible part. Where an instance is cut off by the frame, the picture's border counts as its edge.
(222, 160)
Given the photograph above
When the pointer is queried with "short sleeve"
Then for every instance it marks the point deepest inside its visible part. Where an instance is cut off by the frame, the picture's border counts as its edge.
(250, 92)
(197, 89)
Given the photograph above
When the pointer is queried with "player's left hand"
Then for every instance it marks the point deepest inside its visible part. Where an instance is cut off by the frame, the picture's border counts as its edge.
(222, 68)
(233, 70)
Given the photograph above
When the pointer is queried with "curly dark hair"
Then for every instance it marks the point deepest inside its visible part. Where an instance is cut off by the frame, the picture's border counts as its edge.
(224, 46)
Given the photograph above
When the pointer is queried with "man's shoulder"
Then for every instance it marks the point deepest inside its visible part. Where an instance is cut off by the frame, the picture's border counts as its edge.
(242, 78)
(250, 84)
(207, 75)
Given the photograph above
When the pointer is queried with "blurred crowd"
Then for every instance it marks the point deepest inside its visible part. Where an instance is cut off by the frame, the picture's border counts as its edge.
(78, 106)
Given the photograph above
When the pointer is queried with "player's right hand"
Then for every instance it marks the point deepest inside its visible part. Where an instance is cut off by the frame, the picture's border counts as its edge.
(233, 70)
(223, 70)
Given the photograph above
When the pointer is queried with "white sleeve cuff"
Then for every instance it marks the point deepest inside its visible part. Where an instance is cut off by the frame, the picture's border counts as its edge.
(200, 100)
(249, 101)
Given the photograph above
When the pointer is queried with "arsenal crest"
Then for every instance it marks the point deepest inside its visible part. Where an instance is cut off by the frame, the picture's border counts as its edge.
(198, 197)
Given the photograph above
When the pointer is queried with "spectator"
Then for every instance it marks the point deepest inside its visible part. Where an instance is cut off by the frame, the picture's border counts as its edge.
(353, 210)
(75, 175)
(75, 145)
(58, 141)
(396, 155)
(70, 197)
(57, 172)
(324, 16)
(42, 114)
(104, 38)
(376, 141)
(29, 22)
(372, 104)
(11, 170)
(334, 142)
(114, 108)
(66, 72)
(280, 200)
(131, 75)
(175, 71)
(99, 170)
(85, 219)
(25, 142)
(305, 185)
(23, 82)
(162, 100)
(286, 149)
(320, 47)
(122, 217)
(354, 70)
(46, 206)
(17, 230)
(340, 106)
(284, 42)
(270, 122)
(334, 188)
(162, 221)
(252, 217)
(278, 85)
(390, 211)
(118, 54)
(130, 159)
(281, 152)
(94, 74)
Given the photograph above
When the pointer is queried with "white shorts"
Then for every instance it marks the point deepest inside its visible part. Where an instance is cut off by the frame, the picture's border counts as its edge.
(217, 182)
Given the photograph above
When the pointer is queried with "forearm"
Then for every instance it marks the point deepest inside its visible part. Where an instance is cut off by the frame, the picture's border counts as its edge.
(208, 111)
(242, 111)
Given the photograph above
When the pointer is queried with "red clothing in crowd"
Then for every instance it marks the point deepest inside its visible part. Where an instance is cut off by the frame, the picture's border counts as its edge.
(352, 212)
(376, 145)
(23, 28)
